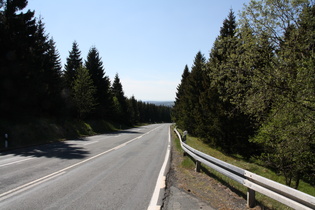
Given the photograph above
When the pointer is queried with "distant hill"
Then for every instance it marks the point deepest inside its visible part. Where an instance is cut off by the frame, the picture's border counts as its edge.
(162, 103)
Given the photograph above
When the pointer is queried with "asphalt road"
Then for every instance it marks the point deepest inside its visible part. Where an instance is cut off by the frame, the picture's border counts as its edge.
(110, 171)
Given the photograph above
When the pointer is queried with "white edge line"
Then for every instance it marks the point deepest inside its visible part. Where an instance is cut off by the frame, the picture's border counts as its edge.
(49, 176)
(160, 183)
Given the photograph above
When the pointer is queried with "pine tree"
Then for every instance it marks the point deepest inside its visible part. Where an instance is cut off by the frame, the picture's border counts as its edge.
(229, 26)
(120, 101)
(194, 89)
(83, 92)
(74, 62)
(17, 77)
(233, 127)
(178, 110)
(54, 80)
(42, 62)
(223, 47)
(133, 111)
(101, 83)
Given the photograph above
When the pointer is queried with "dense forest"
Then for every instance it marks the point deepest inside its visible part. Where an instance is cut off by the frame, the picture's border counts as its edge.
(255, 96)
(33, 82)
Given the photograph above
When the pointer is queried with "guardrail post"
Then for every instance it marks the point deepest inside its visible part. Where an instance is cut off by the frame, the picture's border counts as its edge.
(6, 142)
(184, 136)
(198, 164)
(250, 198)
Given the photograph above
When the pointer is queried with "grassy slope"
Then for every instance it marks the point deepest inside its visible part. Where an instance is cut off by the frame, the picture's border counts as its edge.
(32, 131)
(250, 166)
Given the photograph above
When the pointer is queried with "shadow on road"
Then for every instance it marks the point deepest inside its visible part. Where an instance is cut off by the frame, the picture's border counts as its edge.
(62, 150)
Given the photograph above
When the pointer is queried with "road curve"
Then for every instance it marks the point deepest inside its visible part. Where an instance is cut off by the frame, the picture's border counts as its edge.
(110, 171)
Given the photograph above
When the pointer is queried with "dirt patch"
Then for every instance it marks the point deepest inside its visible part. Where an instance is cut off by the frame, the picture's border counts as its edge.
(202, 186)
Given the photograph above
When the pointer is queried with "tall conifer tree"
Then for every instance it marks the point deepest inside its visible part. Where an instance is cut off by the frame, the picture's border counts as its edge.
(74, 62)
(194, 89)
(83, 92)
(17, 77)
(54, 80)
(178, 109)
(120, 101)
(42, 62)
(233, 127)
(101, 83)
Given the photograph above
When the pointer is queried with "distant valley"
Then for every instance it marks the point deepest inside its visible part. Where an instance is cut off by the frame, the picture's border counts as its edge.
(161, 103)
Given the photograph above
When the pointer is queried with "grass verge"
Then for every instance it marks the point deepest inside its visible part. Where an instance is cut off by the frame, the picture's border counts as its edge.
(250, 166)
(33, 131)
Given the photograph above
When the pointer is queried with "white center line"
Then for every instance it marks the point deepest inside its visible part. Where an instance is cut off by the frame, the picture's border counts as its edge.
(15, 162)
(57, 173)
(92, 142)
(28, 186)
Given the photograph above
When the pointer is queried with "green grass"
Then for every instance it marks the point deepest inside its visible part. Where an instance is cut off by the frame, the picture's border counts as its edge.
(187, 163)
(33, 131)
(250, 166)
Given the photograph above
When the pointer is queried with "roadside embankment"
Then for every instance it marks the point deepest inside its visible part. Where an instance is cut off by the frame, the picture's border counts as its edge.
(31, 131)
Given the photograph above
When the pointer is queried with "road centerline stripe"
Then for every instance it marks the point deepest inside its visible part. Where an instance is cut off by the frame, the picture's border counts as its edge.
(52, 175)
(15, 162)
(91, 142)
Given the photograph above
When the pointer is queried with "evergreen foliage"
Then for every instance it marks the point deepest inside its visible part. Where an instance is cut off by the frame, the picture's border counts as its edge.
(178, 114)
(120, 101)
(194, 88)
(16, 42)
(83, 92)
(101, 82)
(54, 81)
(257, 96)
(74, 62)
(32, 83)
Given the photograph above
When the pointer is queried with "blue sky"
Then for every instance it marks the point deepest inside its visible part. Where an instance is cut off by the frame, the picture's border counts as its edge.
(148, 43)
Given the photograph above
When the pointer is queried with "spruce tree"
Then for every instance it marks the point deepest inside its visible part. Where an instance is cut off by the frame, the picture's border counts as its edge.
(229, 26)
(133, 111)
(101, 83)
(192, 108)
(74, 62)
(120, 101)
(17, 77)
(233, 127)
(178, 110)
(54, 80)
(83, 92)
(41, 62)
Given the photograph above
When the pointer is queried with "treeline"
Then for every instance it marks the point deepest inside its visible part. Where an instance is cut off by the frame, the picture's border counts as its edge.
(255, 96)
(33, 82)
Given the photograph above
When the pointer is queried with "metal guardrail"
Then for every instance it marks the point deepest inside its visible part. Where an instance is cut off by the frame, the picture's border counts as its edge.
(254, 183)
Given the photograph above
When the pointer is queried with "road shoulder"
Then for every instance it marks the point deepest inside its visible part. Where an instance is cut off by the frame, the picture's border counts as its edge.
(187, 189)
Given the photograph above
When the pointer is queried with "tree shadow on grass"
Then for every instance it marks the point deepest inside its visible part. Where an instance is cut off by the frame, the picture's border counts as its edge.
(62, 150)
